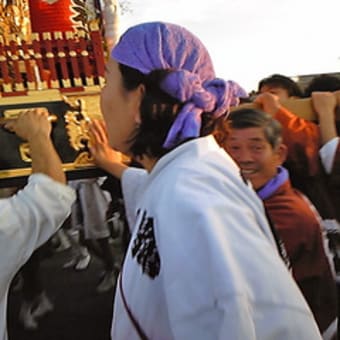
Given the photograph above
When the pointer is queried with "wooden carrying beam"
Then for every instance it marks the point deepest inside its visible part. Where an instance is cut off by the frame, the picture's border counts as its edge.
(302, 108)
(70, 135)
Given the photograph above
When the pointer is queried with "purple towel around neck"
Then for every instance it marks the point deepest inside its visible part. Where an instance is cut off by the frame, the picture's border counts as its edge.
(272, 185)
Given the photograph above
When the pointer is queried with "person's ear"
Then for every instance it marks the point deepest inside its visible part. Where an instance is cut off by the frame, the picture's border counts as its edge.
(139, 95)
(281, 152)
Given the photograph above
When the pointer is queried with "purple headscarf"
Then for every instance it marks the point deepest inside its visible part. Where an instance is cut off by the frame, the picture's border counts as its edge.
(157, 45)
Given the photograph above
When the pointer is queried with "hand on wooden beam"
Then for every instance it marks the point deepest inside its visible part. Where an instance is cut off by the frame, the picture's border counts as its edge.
(5, 120)
(29, 123)
(301, 107)
(325, 104)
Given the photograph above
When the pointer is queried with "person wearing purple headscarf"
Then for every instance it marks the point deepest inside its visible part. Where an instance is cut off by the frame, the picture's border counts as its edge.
(202, 262)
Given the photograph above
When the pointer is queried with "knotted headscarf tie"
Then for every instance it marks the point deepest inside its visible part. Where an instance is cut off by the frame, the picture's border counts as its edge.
(214, 96)
(157, 45)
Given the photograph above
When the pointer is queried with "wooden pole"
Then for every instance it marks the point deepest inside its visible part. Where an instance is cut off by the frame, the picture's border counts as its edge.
(302, 108)
(41, 84)
(14, 56)
(58, 36)
(28, 65)
(98, 55)
(71, 43)
(7, 81)
(51, 60)
(85, 58)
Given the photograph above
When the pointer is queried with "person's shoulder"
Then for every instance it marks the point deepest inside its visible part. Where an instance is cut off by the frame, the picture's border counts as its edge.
(133, 172)
(297, 206)
(306, 209)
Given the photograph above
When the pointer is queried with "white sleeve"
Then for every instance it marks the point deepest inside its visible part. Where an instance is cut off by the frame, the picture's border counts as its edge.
(29, 218)
(132, 181)
(327, 153)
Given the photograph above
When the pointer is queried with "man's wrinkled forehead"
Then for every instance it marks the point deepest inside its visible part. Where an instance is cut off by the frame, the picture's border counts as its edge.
(272, 87)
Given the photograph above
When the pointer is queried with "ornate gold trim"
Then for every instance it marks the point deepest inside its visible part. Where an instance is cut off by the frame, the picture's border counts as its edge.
(83, 106)
(12, 173)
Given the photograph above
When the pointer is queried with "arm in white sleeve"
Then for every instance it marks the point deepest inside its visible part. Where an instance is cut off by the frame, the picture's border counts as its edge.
(29, 218)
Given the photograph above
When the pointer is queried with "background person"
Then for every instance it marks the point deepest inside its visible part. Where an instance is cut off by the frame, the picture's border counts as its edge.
(253, 139)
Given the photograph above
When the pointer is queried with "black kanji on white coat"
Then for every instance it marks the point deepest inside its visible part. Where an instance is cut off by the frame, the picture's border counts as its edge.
(144, 247)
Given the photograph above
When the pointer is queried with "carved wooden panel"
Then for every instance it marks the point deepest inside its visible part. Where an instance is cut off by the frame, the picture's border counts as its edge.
(69, 135)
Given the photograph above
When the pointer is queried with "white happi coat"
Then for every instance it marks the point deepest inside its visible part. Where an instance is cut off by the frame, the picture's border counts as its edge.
(202, 262)
(27, 220)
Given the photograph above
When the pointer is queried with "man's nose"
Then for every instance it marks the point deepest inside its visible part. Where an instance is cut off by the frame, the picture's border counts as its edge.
(244, 155)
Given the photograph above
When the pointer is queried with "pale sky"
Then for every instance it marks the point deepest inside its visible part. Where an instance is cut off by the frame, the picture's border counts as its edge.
(251, 39)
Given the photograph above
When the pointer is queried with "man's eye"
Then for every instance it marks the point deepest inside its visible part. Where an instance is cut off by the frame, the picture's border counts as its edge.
(233, 148)
(257, 148)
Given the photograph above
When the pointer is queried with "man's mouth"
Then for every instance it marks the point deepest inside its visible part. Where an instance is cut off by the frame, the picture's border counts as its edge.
(247, 172)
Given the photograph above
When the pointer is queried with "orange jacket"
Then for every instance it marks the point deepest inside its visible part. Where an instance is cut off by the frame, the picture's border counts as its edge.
(302, 138)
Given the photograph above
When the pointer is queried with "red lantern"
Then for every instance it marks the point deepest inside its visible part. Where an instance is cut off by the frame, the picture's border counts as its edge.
(52, 15)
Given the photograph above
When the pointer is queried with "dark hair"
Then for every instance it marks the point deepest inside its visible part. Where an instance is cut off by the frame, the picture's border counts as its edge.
(283, 82)
(323, 83)
(158, 112)
(247, 118)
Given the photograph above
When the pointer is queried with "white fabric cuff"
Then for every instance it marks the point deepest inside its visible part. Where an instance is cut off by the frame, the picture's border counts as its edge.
(327, 153)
